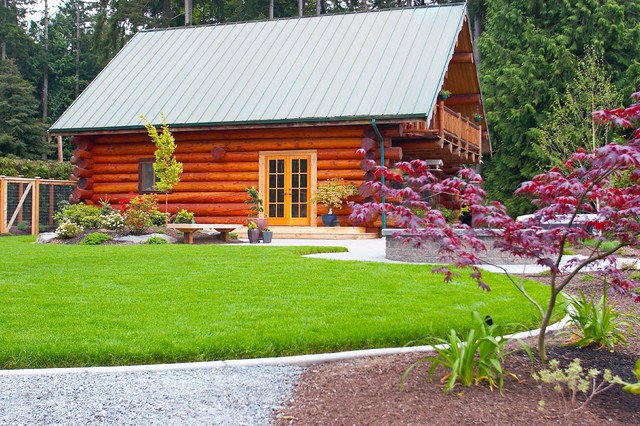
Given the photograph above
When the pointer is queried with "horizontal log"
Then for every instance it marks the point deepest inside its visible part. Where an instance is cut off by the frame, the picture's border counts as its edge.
(144, 150)
(218, 176)
(464, 99)
(116, 178)
(82, 194)
(81, 142)
(231, 157)
(338, 154)
(338, 164)
(393, 153)
(343, 174)
(230, 134)
(208, 209)
(184, 197)
(115, 168)
(79, 172)
(81, 153)
(239, 220)
(83, 163)
(213, 186)
(108, 188)
(85, 183)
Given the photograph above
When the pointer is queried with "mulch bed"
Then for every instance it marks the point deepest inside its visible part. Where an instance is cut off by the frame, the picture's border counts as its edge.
(367, 391)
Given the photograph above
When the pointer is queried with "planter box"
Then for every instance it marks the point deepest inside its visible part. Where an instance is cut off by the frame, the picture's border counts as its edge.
(428, 252)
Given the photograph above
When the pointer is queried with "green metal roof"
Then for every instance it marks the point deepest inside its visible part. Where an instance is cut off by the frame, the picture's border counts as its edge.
(382, 64)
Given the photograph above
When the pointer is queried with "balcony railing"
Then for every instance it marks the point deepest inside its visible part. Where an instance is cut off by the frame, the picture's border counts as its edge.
(454, 131)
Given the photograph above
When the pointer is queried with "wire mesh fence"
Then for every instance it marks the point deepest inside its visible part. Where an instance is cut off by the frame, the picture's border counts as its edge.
(29, 205)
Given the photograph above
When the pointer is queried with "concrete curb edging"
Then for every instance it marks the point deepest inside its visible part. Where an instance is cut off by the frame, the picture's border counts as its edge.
(296, 360)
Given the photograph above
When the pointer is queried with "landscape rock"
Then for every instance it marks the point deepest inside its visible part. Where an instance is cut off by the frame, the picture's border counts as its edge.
(142, 239)
(46, 237)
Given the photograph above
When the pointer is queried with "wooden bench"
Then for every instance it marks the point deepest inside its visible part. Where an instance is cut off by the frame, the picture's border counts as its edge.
(189, 228)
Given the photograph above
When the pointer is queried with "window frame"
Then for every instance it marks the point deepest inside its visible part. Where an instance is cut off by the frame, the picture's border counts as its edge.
(141, 163)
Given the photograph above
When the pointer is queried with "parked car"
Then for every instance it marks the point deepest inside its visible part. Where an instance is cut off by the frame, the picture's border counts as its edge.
(583, 220)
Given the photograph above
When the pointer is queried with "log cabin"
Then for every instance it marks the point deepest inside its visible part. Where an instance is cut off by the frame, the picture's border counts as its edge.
(280, 105)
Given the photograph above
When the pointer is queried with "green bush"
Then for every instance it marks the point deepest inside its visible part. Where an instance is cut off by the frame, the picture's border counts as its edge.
(158, 218)
(473, 360)
(95, 238)
(22, 226)
(68, 229)
(112, 220)
(35, 168)
(81, 214)
(184, 216)
(156, 240)
(599, 324)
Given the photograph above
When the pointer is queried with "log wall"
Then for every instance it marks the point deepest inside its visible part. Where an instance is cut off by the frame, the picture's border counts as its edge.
(218, 165)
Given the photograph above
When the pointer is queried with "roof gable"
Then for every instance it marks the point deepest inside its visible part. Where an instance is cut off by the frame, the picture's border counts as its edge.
(382, 64)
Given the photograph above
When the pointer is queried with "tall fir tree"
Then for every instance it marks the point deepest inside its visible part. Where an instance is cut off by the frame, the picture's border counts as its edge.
(21, 132)
(529, 52)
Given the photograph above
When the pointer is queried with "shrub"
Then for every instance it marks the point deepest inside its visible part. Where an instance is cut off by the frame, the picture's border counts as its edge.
(81, 214)
(68, 229)
(137, 221)
(31, 168)
(184, 216)
(333, 193)
(158, 218)
(112, 220)
(156, 240)
(599, 324)
(22, 226)
(473, 360)
(95, 238)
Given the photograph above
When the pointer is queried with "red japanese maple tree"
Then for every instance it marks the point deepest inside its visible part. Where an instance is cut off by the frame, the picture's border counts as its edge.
(608, 178)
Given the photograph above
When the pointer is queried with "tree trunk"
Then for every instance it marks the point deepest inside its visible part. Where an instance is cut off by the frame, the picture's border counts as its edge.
(77, 85)
(318, 7)
(45, 73)
(300, 7)
(271, 9)
(542, 350)
(3, 46)
(166, 10)
(188, 9)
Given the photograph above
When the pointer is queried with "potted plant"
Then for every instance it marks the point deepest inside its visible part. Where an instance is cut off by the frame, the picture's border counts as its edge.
(257, 210)
(184, 216)
(252, 232)
(477, 117)
(444, 94)
(267, 235)
(332, 194)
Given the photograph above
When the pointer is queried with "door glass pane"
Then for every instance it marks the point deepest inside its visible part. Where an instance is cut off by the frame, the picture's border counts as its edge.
(272, 166)
(280, 166)
(295, 181)
(303, 166)
(303, 195)
(280, 212)
(295, 195)
(295, 166)
(280, 198)
(272, 210)
(272, 181)
(303, 210)
(280, 183)
(294, 211)
(303, 181)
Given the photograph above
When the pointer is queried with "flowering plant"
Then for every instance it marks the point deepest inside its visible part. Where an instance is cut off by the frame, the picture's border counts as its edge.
(68, 229)
(112, 220)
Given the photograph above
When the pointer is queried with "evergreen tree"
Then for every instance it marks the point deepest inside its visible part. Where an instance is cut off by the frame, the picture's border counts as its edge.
(21, 133)
(529, 52)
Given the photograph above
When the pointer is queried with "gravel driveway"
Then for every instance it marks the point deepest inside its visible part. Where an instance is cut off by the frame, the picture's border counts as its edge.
(208, 396)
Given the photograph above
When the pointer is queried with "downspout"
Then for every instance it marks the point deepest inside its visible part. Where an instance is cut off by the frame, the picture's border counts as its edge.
(380, 138)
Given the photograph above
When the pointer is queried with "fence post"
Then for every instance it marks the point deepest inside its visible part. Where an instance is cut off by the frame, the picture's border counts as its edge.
(35, 207)
(3, 205)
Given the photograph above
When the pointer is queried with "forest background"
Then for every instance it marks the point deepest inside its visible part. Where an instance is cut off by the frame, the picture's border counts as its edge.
(544, 66)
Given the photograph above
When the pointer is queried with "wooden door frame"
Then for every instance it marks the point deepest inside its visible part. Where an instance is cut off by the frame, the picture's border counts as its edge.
(313, 176)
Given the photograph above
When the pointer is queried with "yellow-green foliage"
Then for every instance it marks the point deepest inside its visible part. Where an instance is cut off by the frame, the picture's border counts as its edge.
(166, 167)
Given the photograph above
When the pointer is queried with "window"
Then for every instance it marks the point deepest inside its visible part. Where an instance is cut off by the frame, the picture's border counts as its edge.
(146, 175)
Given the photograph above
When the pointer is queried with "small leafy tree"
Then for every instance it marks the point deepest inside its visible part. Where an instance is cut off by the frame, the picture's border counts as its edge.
(584, 180)
(166, 167)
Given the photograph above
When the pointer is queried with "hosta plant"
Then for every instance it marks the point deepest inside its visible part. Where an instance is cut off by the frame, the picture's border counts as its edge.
(598, 323)
(473, 360)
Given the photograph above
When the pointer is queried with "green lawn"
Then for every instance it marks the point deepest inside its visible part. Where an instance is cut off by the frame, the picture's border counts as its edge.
(107, 305)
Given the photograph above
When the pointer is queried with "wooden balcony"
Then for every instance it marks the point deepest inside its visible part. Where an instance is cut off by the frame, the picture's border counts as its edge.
(458, 138)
